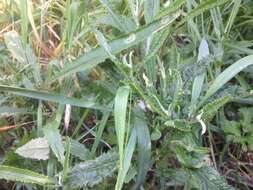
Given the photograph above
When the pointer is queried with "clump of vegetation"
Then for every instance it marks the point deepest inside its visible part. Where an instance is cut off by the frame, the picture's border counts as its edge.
(126, 94)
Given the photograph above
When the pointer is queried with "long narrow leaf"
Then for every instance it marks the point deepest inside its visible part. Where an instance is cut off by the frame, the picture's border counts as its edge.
(53, 136)
(228, 74)
(98, 55)
(144, 147)
(42, 95)
(23, 176)
(120, 109)
(127, 160)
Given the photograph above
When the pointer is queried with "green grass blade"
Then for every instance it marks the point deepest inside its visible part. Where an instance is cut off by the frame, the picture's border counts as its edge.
(23, 176)
(39, 120)
(67, 159)
(196, 89)
(128, 22)
(114, 16)
(120, 109)
(228, 74)
(127, 160)
(172, 8)
(24, 20)
(144, 147)
(151, 8)
(98, 55)
(204, 6)
(99, 132)
(199, 79)
(237, 4)
(43, 95)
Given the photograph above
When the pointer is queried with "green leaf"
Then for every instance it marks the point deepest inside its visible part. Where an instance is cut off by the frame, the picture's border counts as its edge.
(53, 136)
(18, 51)
(23, 54)
(93, 172)
(174, 6)
(120, 109)
(67, 159)
(210, 179)
(98, 55)
(235, 10)
(178, 88)
(99, 133)
(5, 110)
(23, 176)
(157, 42)
(196, 89)
(203, 50)
(199, 79)
(212, 108)
(42, 95)
(151, 8)
(35, 149)
(126, 21)
(228, 74)
(144, 147)
(79, 150)
(115, 17)
(127, 160)
(204, 6)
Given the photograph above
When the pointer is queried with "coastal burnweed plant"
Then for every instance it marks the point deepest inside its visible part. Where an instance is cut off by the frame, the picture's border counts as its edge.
(126, 94)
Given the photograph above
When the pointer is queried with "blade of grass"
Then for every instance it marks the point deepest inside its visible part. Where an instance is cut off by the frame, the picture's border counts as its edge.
(67, 159)
(237, 4)
(39, 120)
(228, 74)
(199, 79)
(151, 8)
(23, 176)
(99, 132)
(114, 16)
(42, 95)
(120, 109)
(144, 147)
(24, 20)
(127, 160)
(98, 55)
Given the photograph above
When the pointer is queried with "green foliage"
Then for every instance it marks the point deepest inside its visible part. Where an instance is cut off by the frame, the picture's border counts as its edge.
(35, 149)
(92, 172)
(133, 78)
(240, 132)
(23, 176)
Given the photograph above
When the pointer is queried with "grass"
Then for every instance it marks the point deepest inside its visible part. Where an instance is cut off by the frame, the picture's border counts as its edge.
(129, 94)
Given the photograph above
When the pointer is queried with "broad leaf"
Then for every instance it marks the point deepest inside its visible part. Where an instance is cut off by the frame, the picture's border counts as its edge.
(93, 172)
(23, 54)
(35, 149)
(210, 179)
(79, 150)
